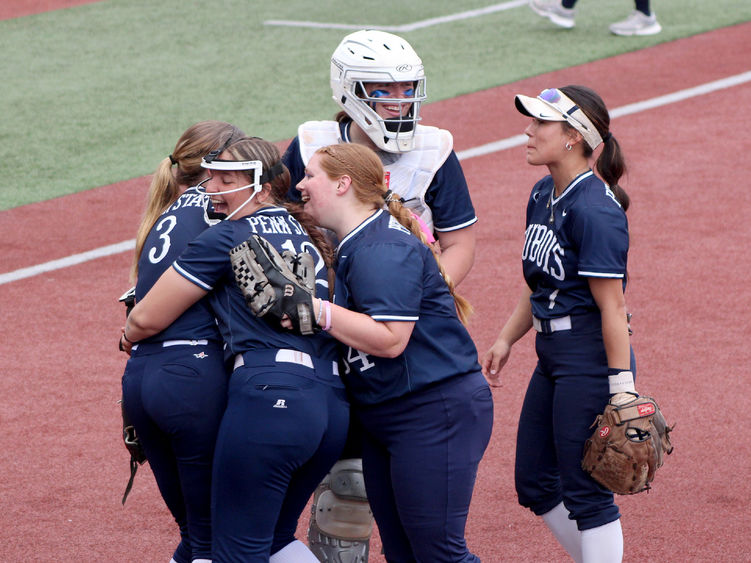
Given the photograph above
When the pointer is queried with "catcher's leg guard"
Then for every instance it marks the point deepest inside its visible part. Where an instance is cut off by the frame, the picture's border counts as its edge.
(341, 521)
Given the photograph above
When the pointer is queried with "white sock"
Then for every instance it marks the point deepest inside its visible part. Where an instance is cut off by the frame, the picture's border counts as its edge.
(603, 544)
(565, 531)
(295, 552)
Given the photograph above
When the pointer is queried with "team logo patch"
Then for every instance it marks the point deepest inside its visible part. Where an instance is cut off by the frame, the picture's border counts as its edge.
(604, 431)
(646, 409)
(201, 355)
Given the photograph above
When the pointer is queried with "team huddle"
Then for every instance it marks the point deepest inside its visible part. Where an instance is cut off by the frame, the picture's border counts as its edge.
(297, 332)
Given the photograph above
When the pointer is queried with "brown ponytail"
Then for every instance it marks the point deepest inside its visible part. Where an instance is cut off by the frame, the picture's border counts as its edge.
(611, 164)
(195, 143)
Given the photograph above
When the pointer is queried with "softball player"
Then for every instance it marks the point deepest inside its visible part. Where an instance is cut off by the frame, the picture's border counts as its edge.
(411, 367)
(379, 82)
(175, 384)
(574, 263)
(286, 417)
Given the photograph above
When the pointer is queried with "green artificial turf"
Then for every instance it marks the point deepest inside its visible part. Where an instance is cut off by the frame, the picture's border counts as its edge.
(99, 93)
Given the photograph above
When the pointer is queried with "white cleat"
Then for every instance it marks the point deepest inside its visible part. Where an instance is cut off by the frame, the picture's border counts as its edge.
(637, 23)
(554, 11)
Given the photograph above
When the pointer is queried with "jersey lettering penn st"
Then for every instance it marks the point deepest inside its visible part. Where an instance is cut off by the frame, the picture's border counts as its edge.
(541, 248)
(274, 224)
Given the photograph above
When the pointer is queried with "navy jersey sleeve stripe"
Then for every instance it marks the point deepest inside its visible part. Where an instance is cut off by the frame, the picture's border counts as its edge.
(191, 278)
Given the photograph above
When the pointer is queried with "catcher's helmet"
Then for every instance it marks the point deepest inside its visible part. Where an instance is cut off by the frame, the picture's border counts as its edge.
(376, 56)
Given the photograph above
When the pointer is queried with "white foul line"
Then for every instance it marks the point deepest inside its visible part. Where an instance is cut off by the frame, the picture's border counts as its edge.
(628, 109)
(68, 261)
(496, 146)
(408, 26)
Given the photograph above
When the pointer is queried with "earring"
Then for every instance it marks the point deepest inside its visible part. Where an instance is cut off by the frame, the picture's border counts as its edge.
(569, 146)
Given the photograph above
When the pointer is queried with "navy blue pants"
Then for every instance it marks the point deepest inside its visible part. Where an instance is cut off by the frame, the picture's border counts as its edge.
(568, 389)
(175, 398)
(284, 427)
(420, 459)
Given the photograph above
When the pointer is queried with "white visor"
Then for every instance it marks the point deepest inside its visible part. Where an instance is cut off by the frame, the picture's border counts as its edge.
(554, 105)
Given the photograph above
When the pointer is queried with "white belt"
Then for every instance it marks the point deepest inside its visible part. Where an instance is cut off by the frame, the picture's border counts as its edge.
(290, 357)
(552, 325)
(168, 343)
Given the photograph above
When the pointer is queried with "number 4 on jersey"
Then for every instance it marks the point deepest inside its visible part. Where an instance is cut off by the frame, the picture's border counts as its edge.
(354, 355)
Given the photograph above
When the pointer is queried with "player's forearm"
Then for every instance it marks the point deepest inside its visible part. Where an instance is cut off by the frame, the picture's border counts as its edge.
(360, 331)
(520, 320)
(457, 262)
(616, 338)
(608, 294)
(457, 252)
(140, 325)
(169, 298)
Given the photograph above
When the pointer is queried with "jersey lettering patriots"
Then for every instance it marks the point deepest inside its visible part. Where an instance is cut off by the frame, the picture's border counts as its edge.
(581, 234)
(540, 246)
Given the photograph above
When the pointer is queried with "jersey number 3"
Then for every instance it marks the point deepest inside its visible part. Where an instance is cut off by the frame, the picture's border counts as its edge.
(164, 227)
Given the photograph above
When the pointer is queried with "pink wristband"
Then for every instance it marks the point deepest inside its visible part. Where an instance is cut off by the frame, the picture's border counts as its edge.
(328, 315)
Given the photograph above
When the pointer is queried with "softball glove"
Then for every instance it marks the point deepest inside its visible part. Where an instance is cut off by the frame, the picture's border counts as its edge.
(628, 445)
(276, 286)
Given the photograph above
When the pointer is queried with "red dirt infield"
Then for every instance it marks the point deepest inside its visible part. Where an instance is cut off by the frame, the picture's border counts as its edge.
(65, 467)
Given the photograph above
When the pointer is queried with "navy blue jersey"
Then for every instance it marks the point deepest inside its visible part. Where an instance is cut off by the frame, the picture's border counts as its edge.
(386, 272)
(174, 229)
(447, 196)
(582, 233)
(206, 263)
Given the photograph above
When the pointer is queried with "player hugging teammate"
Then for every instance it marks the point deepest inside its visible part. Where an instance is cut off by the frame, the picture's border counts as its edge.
(378, 81)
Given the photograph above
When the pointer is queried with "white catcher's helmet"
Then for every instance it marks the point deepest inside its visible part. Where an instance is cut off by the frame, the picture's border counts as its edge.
(376, 56)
